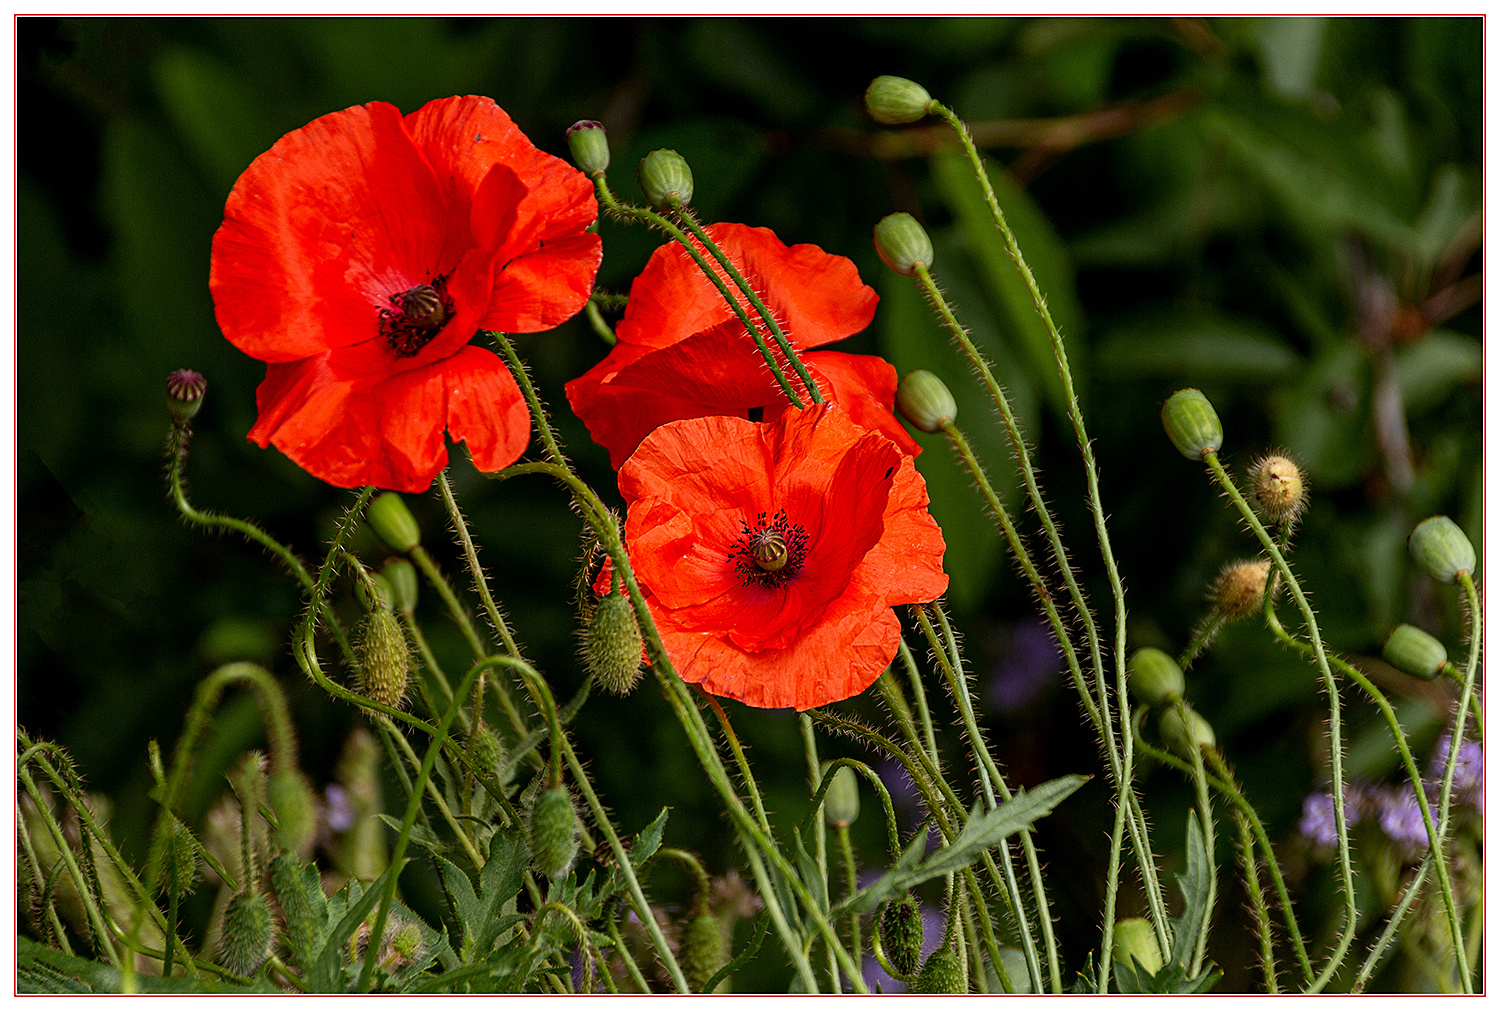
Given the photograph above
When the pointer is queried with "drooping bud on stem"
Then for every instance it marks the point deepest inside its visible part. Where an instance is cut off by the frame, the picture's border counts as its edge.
(401, 577)
(841, 802)
(1241, 586)
(1192, 424)
(666, 179)
(393, 522)
(703, 950)
(924, 400)
(1135, 940)
(896, 100)
(1441, 548)
(247, 935)
(291, 798)
(902, 243)
(178, 870)
(901, 934)
(1154, 677)
(553, 832)
(589, 145)
(185, 389)
(1414, 652)
(385, 660)
(1186, 736)
(612, 645)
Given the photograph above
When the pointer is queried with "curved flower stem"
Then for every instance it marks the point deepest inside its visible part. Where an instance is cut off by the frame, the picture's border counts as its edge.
(685, 215)
(1257, 902)
(607, 199)
(920, 694)
(1206, 809)
(893, 834)
(738, 751)
(596, 321)
(820, 835)
(1335, 730)
(1435, 835)
(851, 885)
(1202, 636)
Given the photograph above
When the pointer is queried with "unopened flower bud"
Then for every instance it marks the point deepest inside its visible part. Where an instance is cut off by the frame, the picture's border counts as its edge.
(178, 870)
(1414, 652)
(924, 400)
(1134, 939)
(901, 934)
(290, 796)
(589, 146)
(377, 594)
(1192, 424)
(1441, 548)
(1240, 588)
(841, 802)
(554, 832)
(1279, 488)
(612, 645)
(941, 973)
(385, 661)
(902, 243)
(896, 100)
(185, 389)
(1154, 677)
(488, 752)
(1184, 738)
(248, 932)
(303, 926)
(402, 579)
(666, 178)
(703, 950)
(393, 522)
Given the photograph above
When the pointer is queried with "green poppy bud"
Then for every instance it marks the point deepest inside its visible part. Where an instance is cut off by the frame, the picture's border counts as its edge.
(385, 661)
(703, 950)
(178, 870)
(841, 802)
(612, 645)
(1134, 939)
(1182, 737)
(185, 389)
(901, 934)
(941, 973)
(902, 243)
(589, 146)
(247, 935)
(488, 751)
(666, 179)
(393, 522)
(923, 399)
(896, 100)
(1154, 677)
(554, 832)
(402, 579)
(1413, 651)
(1192, 424)
(290, 796)
(1279, 488)
(1441, 548)
(291, 883)
(1240, 588)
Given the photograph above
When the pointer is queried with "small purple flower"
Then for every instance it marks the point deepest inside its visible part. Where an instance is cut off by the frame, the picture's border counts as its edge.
(1401, 818)
(1468, 773)
(1030, 661)
(339, 810)
(1317, 821)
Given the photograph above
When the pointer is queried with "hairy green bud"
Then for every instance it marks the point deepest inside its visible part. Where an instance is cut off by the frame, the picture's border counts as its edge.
(1414, 652)
(292, 884)
(385, 661)
(703, 950)
(902, 243)
(901, 933)
(247, 936)
(1441, 548)
(554, 832)
(178, 869)
(1192, 424)
(941, 973)
(1134, 939)
(896, 100)
(488, 751)
(612, 645)
(924, 400)
(666, 178)
(841, 802)
(1184, 738)
(393, 522)
(589, 146)
(401, 577)
(1154, 677)
(291, 797)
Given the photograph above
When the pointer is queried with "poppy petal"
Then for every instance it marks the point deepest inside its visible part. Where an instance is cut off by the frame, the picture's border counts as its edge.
(539, 290)
(485, 409)
(865, 387)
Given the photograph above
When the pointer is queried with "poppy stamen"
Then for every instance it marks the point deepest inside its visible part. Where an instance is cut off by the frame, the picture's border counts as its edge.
(771, 553)
(416, 316)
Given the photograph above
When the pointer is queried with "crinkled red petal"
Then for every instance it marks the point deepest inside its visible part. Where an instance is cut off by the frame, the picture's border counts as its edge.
(539, 290)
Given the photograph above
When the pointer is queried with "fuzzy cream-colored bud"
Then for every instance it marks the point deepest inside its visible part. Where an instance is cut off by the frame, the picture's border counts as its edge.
(1240, 588)
(1279, 488)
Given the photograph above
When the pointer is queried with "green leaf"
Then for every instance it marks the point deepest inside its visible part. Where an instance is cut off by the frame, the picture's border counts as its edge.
(1430, 369)
(40, 969)
(1195, 345)
(807, 869)
(323, 976)
(980, 832)
(1196, 885)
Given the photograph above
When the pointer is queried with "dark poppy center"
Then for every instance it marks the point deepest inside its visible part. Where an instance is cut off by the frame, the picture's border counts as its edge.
(770, 554)
(415, 316)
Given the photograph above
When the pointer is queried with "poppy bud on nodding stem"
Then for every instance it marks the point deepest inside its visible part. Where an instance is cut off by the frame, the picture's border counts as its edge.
(941, 973)
(1154, 677)
(666, 178)
(924, 400)
(703, 950)
(178, 870)
(1182, 737)
(902, 243)
(402, 579)
(612, 645)
(589, 146)
(302, 925)
(1414, 652)
(291, 798)
(385, 661)
(247, 935)
(554, 832)
(896, 100)
(901, 933)
(1441, 548)
(393, 522)
(841, 802)
(1192, 424)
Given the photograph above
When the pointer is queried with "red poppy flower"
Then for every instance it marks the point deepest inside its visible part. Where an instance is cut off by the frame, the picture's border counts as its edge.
(360, 255)
(683, 353)
(771, 554)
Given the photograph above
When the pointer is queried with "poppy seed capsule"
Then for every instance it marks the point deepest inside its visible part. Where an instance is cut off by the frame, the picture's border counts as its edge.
(703, 951)
(589, 145)
(896, 100)
(1182, 737)
(1412, 651)
(1192, 424)
(248, 932)
(1279, 488)
(666, 178)
(402, 579)
(423, 306)
(1240, 588)
(1441, 548)
(902, 243)
(1134, 939)
(393, 522)
(385, 662)
(185, 389)
(941, 973)
(612, 645)
(924, 400)
(489, 753)
(901, 934)
(841, 802)
(554, 832)
(1154, 677)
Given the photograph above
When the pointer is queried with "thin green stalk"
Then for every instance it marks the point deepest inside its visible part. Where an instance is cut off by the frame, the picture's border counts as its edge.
(1202, 636)
(623, 950)
(740, 761)
(820, 834)
(1206, 812)
(1335, 730)
(893, 834)
(1111, 899)
(924, 715)
(1257, 903)
(596, 321)
(851, 885)
(410, 756)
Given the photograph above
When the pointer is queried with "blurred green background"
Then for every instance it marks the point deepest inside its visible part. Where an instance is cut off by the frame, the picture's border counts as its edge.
(1284, 213)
